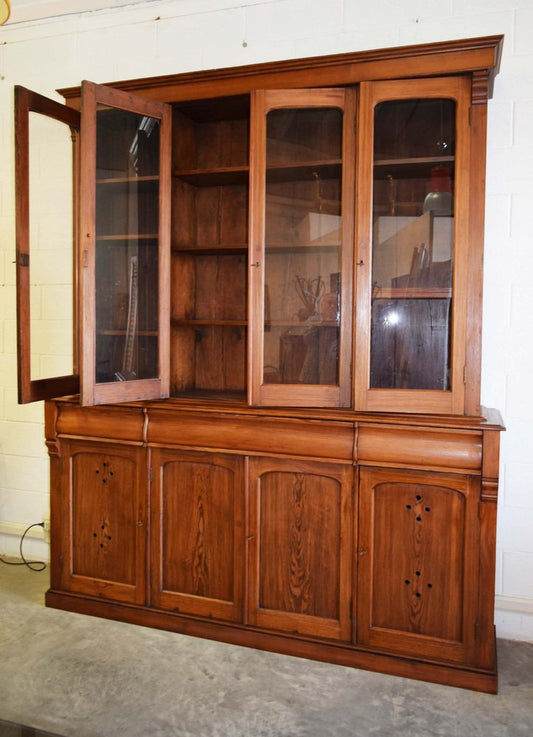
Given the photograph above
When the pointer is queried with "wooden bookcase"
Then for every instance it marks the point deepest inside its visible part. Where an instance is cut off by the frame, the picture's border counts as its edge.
(278, 440)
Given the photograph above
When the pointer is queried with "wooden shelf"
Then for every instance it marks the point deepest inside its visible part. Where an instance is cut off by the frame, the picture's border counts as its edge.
(410, 168)
(305, 170)
(326, 207)
(138, 333)
(301, 247)
(209, 323)
(216, 249)
(301, 325)
(228, 175)
(130, 237)
(128, 180)
(215, 177)
(411, 293)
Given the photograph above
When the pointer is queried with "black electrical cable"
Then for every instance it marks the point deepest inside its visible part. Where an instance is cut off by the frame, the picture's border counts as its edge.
(33, 565)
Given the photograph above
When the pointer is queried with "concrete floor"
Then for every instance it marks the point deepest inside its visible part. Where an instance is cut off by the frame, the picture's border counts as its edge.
(85, 677)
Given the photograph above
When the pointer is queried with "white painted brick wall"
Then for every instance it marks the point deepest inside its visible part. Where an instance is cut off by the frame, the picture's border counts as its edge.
(168, 36)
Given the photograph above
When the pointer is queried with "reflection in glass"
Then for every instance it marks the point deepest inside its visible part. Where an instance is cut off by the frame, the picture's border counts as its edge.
(302, 246)
(412, 246)
(127, 226)
(52, 251)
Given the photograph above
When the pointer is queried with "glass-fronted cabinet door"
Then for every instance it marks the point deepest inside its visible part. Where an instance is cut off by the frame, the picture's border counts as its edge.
(124, 246)
(93, 206)
(412, 261)
(300, 296)
(46, 250)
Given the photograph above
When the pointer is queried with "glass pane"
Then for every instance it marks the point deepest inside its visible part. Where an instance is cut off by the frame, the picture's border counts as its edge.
(412, 246)
(127, 226)
(52, 252)
(302, 246)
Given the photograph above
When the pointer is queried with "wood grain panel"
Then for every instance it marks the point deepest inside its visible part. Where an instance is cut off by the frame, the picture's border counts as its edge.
(253, 434)
(418, 558)
(197, 533)
(121, 423)
(418, 548)
(414, 447)
(300, 547)
(104, 541)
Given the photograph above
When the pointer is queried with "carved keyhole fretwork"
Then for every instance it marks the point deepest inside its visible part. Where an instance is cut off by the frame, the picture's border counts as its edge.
(416, 583)
(101, 536)
(104, 472)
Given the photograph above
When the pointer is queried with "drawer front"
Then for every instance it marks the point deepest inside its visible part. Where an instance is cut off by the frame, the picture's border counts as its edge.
(312, 439)
(419, 448)
(113, 423)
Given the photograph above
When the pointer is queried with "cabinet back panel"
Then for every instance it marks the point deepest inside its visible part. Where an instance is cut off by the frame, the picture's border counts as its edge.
(220, 358)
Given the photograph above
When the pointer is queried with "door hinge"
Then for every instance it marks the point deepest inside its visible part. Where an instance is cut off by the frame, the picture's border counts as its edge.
(464, 374)
(150, 474)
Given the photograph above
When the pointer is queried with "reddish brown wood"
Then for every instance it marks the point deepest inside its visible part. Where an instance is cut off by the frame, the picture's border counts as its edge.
(339, 653)
(27, 102)
(116, 391)
(300, 546)
(474, 286)
(197, 540)
(418, 558)
(254, 516)
(446, 58)
(405, 400)
(261, 392)
(102, 541)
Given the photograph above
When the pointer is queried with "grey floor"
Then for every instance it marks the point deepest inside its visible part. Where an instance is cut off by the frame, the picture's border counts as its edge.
(85, 677)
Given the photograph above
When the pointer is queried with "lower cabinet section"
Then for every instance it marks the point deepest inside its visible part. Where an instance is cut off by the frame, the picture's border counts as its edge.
(385, 568)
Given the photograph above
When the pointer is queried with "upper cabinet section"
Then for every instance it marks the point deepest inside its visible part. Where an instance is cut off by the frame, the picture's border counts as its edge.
(306, 233)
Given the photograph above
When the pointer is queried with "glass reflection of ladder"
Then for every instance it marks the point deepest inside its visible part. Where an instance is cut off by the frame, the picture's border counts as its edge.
(127, 373)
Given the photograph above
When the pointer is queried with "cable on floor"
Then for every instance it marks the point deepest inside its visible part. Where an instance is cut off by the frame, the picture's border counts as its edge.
(33, 565)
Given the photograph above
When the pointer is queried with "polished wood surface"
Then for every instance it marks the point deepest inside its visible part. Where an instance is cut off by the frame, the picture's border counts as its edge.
(197, 541)
(300, 543)
(418, 551)
(331, 520)
(421, 60)
(402, 399)
(26, 102)
(261, 535)
(102, 542)
(93, 391)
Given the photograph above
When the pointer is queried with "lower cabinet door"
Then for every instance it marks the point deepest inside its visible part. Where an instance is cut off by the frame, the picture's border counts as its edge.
(197, 533)
(418, 559)
(300, 547)
(100, 515)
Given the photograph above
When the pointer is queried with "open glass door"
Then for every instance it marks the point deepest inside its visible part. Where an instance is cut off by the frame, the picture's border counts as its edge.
(124, 246)
(46, 145)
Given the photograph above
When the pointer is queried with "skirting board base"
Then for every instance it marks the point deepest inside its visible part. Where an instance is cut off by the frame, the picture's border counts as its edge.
(339, 654)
